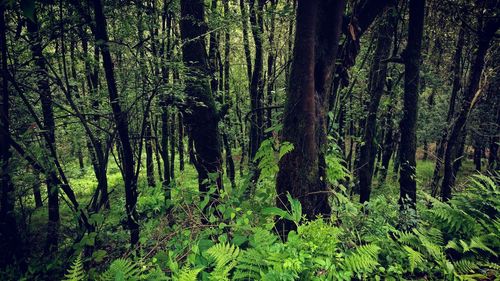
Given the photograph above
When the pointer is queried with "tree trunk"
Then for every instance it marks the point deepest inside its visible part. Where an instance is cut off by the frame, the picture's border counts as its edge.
(36, 190)
(121, 121)
(246, 41)
(487, 32)
(181, 142)
(10, 242)
(226, 136)
(270, 67)
(172, 145)
(388, 142)
(456, 70)
(150, 166)
(301, 170)
(376, 89)
(256, 86)
(407, 177)
(203, 119)
(49, 128)
(478, 153)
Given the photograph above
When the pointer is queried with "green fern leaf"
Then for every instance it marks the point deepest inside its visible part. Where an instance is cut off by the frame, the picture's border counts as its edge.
(76, 271)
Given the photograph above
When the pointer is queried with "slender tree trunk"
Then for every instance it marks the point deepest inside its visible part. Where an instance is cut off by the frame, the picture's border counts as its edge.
(164, 153)
(10, 243)
(426, 151)
(36, 190)
(150, 166)
(226, 136)
(270, 67)
(120, 118)
(486, 35)
(246, 41)
(49, 127)
(172, 145)
(478, 153)
(441, 146)
(407, 150)
(388, 143)
(181, 142)
(256, 86)
(203, 120)
(376, 89)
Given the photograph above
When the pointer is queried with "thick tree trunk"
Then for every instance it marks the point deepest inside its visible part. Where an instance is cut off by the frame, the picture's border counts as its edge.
(407, 150)
(121, 121)
(10, 243)
(49, 127)
(203, 118)
(302, 170)
(486, 35)
(376, 88)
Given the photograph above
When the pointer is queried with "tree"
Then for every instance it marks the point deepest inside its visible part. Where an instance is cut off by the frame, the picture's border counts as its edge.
(376, 85)
(407, 149)
(317, 35)
(488, 27)
(44, 90)
(203, 117)
(121, 122)
(10, 240)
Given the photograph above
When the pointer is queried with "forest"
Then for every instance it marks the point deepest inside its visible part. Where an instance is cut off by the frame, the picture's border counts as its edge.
(249, 140)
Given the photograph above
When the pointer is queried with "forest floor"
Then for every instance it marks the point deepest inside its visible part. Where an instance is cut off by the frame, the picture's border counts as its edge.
(113, 236)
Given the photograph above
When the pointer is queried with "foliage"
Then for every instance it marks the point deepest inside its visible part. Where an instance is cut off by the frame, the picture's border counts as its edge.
(454, 240)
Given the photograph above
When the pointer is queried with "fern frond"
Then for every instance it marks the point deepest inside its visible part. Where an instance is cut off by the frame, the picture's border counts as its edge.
(121, 269)
(414, 257)
(76, 271)
(465, 266)
(225, 256)
(187, 274)
(363, 259)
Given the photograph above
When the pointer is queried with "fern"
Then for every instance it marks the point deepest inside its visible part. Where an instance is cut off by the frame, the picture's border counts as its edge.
(76, 271)
(225, 256)
(121, 269)
(414, 257)
(363, 259)
(187, 274)
(465, 266)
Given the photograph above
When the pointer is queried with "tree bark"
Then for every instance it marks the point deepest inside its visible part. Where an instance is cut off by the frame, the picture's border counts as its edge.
(407, 150)
(256, 85)
(203, 119)
(121, 121)
(181, 142)
(301, 170)
(246, 41)
(10, 242)
(456, 70)
(487, 32)
(376, 88)
(49, 128)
